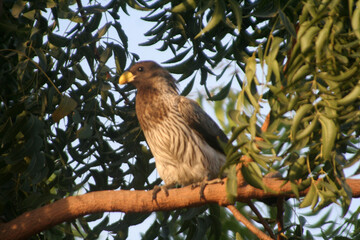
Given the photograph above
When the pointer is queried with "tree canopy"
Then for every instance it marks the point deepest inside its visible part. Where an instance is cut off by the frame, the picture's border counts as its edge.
(67, 128)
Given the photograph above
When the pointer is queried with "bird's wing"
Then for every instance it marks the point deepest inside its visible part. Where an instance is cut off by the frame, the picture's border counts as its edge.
(201, 122)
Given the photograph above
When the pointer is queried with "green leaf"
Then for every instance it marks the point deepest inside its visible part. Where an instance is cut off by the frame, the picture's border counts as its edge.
(298, 169)
(237, 131)
(35, 200)
(100, 227)
(42, 59)
(103, 30)
(30, 14)
(88, 52)
(79, 72)
(300, 113)
(154, 17)
(184, 6)
(178, 57)
(120, 58)
(12, 131)
(106, 54)
(182, 67)
(355, 20)
(217, 17)
(223, 93)
(66, 106)
(84, 132)
(295, 189)
(300, 74)
(307, 130)
(287, 23)
(310, 197)
(307, 39)
(220, 113)
(252, 174)
(250, 69)
(58, 41)
(94, 22)
(265, 9)
(238, 236)
(17, 8)
(238, 118)
(36, 167)
(231, 184)
(322, 39)
(188, 87)
(122, 35)
(152, 231)
(328, 136)
(236, 9)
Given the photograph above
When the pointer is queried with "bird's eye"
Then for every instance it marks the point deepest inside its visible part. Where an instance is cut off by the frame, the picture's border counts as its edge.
(140, 69)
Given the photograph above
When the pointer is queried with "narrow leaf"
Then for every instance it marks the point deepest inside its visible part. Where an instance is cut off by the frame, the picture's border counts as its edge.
(66, 106)
(222, 93)
(231, 184)
(287, 23)
(188, 87)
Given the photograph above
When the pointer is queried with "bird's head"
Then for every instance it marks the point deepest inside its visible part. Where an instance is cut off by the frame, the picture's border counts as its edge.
(149, 74)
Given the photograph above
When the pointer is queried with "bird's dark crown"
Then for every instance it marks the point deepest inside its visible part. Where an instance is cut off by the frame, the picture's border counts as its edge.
(150, 74)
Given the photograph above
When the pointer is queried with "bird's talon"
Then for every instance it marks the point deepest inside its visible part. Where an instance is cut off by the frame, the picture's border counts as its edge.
(157, 189)
(194, 185)
(166, 191)
(202, 189)
(203, 185)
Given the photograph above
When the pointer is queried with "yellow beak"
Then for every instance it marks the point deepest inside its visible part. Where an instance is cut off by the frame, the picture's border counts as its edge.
(126, 77)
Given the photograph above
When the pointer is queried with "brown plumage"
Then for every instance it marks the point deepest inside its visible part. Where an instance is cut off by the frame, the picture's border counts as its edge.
(181, 136)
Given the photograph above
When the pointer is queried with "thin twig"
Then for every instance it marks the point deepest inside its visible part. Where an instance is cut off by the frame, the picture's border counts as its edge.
(82, 12)
(36, 65)
(261, 219)
(247, 223)
(280, 217)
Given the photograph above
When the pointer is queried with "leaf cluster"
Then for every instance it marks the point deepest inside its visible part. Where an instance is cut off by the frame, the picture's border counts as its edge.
(202, 34)
(311, 91)
(62, 128)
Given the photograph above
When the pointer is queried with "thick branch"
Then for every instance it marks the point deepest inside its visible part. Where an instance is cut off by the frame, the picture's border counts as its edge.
(70, 208)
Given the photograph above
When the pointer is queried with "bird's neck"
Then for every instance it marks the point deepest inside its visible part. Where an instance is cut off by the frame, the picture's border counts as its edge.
(152, 106)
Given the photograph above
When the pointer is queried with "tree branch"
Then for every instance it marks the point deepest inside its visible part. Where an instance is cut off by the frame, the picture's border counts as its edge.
(261, 219)
(70, 208)
(247, 223)
(280, 217)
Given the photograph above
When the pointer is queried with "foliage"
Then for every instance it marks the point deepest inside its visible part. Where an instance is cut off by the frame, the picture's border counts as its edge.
(46, 74)
(65, 131)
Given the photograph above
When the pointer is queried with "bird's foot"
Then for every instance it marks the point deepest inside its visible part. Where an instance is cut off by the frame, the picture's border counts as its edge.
(157, 189)
(204, 183)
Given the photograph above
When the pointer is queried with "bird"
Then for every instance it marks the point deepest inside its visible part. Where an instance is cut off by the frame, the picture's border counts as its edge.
(182, 137)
